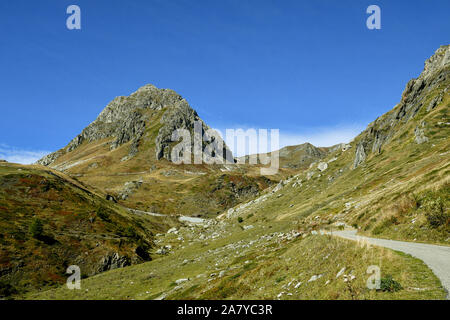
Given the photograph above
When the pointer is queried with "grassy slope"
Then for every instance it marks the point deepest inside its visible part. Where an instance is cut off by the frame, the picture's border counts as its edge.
(74, 230)
(252, 264)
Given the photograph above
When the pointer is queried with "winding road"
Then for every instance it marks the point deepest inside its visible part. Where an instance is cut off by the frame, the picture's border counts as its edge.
(437, 258)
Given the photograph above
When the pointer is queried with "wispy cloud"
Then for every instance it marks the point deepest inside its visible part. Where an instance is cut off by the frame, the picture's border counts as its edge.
(18, 155)
(319, 137)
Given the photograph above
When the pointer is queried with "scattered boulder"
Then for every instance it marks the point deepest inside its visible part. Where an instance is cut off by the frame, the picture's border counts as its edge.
(322, 166)
(278, 187)
(340, 273)
(346, 146)
(172, 230)
(419, 133)
(129, 188)
(315, 278)
(180, 281)
(164, 250)
(93, 165)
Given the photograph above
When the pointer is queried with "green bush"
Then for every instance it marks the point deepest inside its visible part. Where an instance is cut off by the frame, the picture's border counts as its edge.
(6, 289)
(36, 228)
(102, 214)
(388, 284)
(436, 213)
(130, 232)
(385, 224)
(240, 220)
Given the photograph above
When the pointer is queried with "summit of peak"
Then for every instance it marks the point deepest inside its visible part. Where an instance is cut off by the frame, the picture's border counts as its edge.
(439, 60)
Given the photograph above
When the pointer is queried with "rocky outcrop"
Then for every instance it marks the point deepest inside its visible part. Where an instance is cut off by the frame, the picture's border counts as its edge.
(129, 188)
(379, 132)
(360, 155)
(113, 261)
(322, 166)
(419, 134)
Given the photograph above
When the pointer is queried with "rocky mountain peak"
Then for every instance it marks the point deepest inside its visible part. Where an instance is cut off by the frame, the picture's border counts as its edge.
(125, 119)
(439, 60)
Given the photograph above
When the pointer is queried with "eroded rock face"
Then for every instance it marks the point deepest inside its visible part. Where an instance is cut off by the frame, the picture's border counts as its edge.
(379, 132)
(113, 261)
(360, 155)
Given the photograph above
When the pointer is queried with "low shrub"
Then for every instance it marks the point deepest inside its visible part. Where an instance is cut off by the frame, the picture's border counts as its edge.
(36, 228)
(103, 214)
(388, 284)
(436, 213)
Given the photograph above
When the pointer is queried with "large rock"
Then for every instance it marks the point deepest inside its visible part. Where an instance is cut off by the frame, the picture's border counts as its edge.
(113, 261)
(419, 134)
(129, 188)
(322, 166)
(360, 155)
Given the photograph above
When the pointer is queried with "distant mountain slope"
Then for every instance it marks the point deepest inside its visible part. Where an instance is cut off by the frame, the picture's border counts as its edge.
(297, 157)
(49, 221)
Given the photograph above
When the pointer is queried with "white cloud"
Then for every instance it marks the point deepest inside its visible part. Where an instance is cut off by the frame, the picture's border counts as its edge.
(17, 155)
(319, 137)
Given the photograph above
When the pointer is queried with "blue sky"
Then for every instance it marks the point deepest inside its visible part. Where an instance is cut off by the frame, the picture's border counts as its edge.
(309, 68)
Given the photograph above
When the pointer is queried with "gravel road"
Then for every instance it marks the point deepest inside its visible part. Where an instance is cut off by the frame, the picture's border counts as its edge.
(436, 257)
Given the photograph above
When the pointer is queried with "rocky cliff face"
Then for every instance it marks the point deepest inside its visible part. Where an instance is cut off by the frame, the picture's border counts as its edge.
(418, 95)
(125, 119)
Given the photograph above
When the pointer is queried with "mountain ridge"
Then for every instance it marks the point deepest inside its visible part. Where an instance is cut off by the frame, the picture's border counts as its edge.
(263, 239)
